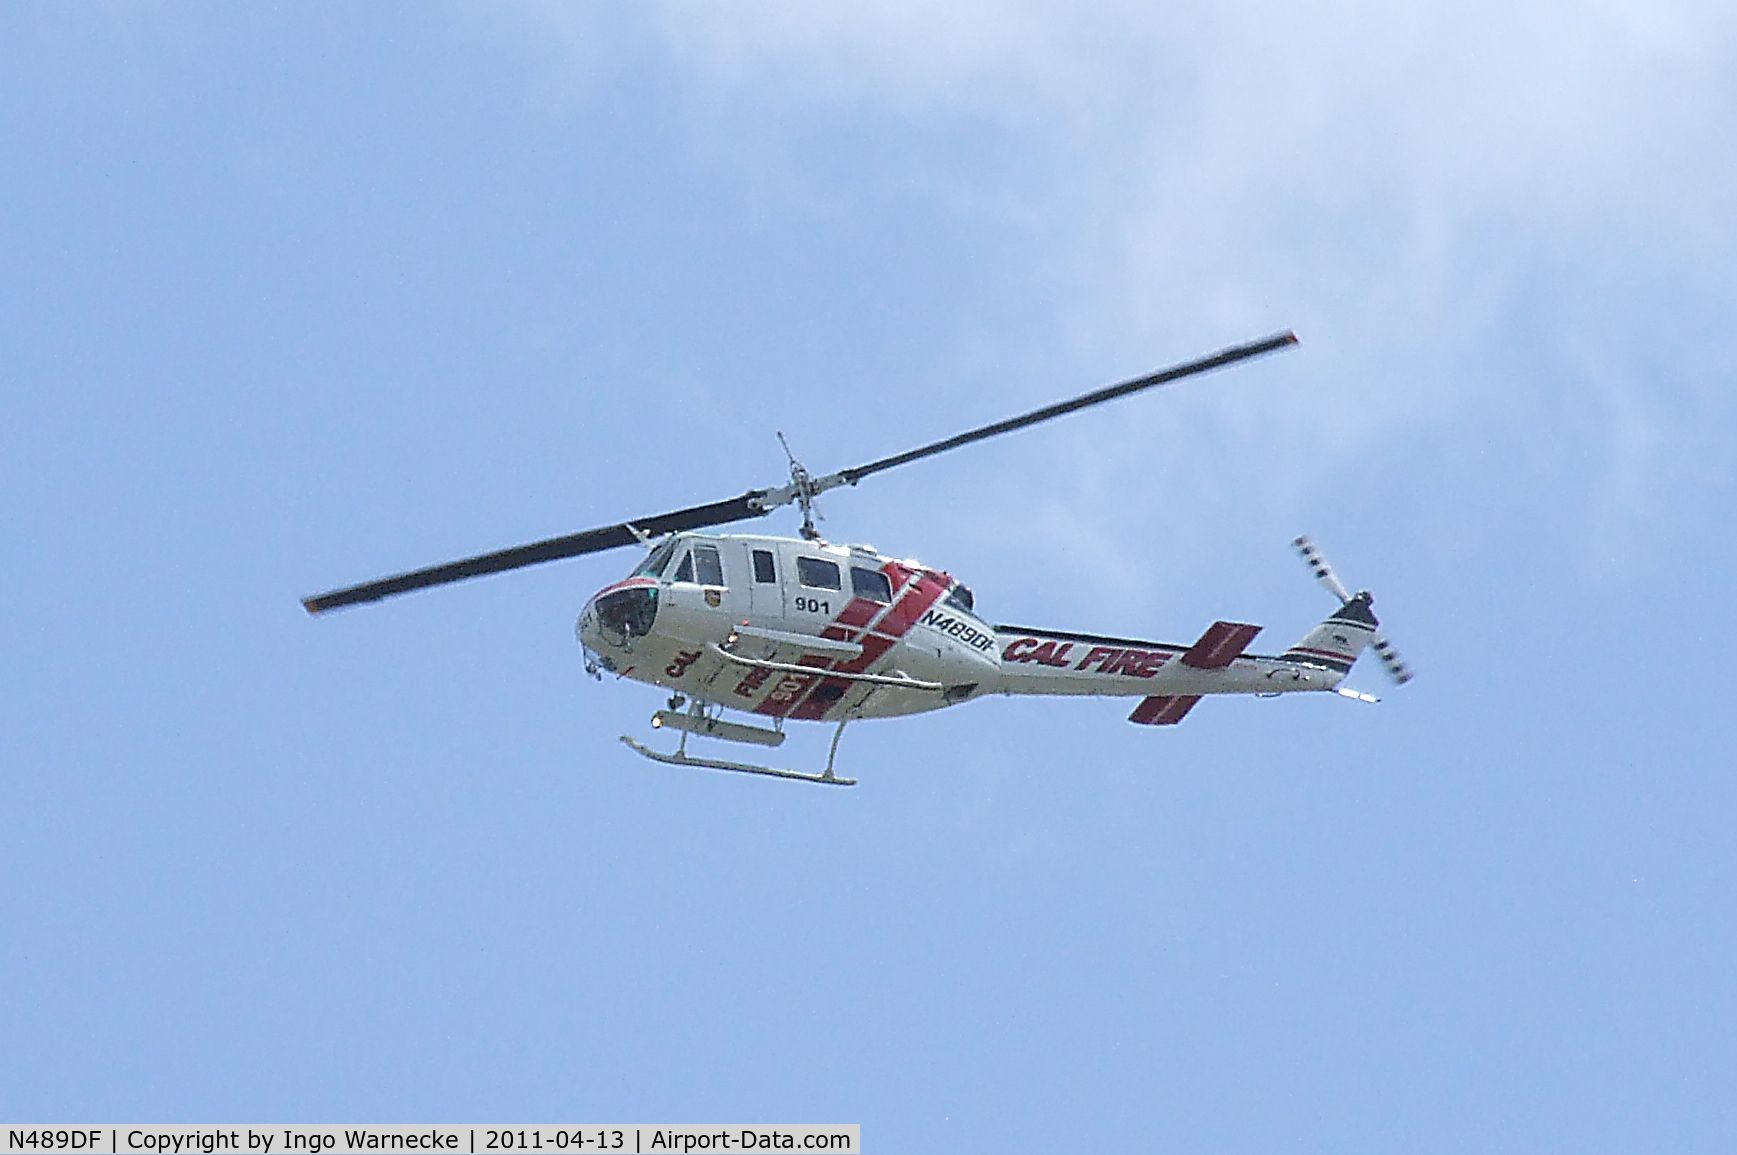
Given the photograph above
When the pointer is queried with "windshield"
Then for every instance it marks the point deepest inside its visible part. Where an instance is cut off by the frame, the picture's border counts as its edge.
(653, 565)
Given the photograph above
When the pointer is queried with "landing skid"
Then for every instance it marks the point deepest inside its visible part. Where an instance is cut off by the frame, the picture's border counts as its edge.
(681, 757)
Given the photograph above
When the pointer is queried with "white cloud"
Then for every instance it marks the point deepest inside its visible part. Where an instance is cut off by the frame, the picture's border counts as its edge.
(1452, 202)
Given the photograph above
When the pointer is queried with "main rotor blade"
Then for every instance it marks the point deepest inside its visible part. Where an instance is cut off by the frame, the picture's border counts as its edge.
(756, 502)
(1217, 360)
(552, 549)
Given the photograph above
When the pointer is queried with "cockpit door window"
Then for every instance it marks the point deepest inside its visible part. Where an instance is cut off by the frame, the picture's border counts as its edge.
(685, 571)
(708, 566)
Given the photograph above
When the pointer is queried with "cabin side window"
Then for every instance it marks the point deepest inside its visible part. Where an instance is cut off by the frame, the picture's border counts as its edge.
(817, 574)
(871, 584)
(765, 567)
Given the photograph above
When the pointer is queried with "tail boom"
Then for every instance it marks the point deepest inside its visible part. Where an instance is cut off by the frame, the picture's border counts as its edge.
(1169, 679)
(1053, 662)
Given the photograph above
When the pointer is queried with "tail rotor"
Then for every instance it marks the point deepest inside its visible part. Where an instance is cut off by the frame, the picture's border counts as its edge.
(1395, 665)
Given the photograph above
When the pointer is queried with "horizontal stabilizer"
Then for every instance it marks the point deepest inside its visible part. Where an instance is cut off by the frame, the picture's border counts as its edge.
(1220, 645)
(1163, 709)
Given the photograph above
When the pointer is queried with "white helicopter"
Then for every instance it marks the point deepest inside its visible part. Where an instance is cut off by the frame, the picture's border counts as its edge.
(780, 629)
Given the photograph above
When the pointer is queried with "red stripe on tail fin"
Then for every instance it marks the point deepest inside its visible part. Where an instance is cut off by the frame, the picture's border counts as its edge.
(1163, 709)
(1220, 645)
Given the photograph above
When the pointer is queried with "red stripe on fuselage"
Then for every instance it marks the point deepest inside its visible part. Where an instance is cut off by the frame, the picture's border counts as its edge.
(789, 691)
(907, 609)
(625, 584)
(859, 613)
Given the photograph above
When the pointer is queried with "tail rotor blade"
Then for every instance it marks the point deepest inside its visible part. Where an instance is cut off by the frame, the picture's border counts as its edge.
(1323, 572)
(1396, 667)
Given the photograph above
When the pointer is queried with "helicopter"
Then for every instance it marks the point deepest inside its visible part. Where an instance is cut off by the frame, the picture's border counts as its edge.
(779, 629)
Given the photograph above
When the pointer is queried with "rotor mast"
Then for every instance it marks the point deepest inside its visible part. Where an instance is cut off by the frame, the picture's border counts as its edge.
(802, 490)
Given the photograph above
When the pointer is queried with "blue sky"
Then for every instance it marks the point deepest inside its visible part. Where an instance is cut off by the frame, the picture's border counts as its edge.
(291, 298)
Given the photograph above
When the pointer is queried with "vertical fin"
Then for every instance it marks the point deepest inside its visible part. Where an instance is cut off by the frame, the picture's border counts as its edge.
(1336, 642)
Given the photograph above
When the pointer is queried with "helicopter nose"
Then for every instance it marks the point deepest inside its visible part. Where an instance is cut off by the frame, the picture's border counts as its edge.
(585, 626)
